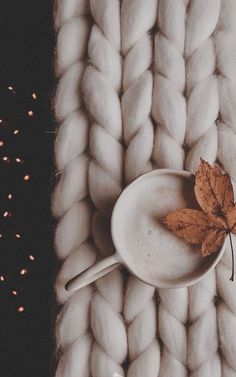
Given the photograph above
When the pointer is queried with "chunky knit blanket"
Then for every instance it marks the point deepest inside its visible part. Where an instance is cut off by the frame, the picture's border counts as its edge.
(142, 84)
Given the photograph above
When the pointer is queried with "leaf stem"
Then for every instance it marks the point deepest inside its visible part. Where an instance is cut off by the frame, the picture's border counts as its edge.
(232, 255)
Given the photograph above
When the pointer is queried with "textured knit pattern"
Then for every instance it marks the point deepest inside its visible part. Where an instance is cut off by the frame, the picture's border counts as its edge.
(169, 113)
(70, 204)
(201, 138)
(142, 84)
(137, 19)
(226, 46)
(101, 88)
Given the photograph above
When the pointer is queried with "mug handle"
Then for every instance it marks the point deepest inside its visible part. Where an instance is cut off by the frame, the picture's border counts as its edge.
(93, 273)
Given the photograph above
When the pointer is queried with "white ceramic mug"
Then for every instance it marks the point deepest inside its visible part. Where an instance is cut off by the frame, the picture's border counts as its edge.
(143, 244)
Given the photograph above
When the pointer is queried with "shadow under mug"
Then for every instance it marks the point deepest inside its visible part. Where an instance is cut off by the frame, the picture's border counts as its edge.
(143, 244)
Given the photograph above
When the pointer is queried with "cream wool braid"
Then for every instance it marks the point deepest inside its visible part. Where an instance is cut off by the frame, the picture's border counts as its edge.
(226, 50)
(137, 19)
(70, 205)
(185, 64)
(101, 89)
(201, 138)
(169, 113)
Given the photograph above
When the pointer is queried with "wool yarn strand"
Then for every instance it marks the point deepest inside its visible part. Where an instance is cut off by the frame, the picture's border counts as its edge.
(101, 88)
(169, 113)
(70, 203)
(225, 41)
(201, 139)
(137, 19)
(201, 83)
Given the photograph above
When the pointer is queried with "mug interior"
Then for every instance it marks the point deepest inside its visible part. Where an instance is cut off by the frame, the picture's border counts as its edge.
(145, 245)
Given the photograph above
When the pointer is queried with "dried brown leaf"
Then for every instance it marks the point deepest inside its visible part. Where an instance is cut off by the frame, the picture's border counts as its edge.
(192, 225)
(214, 193)
(231, 219)
(217, 222)
(213, 241)
(213, 189)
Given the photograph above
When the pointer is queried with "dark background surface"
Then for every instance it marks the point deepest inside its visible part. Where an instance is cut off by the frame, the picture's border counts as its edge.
(26, 226)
